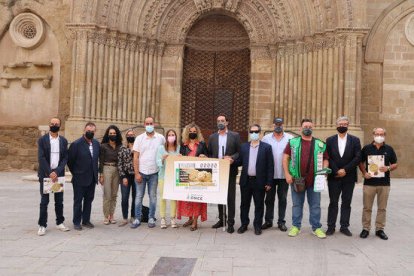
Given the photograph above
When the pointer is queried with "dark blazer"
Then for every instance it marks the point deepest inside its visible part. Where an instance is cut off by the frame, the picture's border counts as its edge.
(83, 167)
(43, 155)
(349, 161)
(264, 164)
(232, 148)
(201, 149)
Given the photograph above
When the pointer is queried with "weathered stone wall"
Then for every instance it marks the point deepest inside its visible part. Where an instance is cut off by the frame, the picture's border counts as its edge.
(18, 148)
(375, 8)
(388, 85)
(55, 14)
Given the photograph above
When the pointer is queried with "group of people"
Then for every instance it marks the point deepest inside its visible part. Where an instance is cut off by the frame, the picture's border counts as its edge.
(269, 166)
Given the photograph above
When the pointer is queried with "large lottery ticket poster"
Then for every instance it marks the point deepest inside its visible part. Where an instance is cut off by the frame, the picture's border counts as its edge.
(196, 179)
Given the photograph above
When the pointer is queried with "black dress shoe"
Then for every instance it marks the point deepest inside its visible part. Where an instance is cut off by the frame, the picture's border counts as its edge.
(218, 224)
(282, 227)
(88, 225)
(257, 231)
(242, 229)
(330, 231)
(77, 227)
(230, 229)
(346, 232)
(381, 234)
(364, 234)
(267, 225)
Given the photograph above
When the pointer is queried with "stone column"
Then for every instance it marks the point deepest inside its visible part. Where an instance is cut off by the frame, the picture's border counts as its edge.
(94, 96)
(160, 52)
(149, 103)
(142, 46)
(131, 79)
(171, 85)
(79, 74)
(99, 92)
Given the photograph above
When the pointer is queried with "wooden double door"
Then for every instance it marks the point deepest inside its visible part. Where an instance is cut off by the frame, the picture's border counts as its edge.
(216, 82)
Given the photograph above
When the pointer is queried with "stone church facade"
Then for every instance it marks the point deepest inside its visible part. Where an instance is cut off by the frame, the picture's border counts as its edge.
(181, 61)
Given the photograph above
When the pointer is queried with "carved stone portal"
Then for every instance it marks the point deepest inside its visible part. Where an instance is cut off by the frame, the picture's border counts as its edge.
(216, 75)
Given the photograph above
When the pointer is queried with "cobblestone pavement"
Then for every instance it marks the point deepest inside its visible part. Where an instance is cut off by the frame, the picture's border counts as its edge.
(113, 250)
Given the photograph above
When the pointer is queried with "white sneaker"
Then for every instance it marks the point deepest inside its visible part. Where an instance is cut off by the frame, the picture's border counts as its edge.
(173, 223)
(163, 223)
(62, 227)
(41, 231)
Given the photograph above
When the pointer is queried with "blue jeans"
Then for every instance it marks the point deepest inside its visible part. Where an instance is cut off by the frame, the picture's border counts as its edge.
(314, 201)
(152, 181)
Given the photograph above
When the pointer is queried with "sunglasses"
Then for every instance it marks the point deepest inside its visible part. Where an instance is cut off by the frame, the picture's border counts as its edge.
(254, 131)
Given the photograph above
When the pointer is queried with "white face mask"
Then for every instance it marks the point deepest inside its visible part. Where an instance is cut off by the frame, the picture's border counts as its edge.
(379, 139)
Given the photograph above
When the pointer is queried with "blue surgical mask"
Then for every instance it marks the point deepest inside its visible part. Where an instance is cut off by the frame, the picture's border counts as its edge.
(149, 128)
(221, 126)
(254, 136)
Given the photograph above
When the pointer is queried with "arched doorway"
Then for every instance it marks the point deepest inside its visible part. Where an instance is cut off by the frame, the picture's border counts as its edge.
(216, 75)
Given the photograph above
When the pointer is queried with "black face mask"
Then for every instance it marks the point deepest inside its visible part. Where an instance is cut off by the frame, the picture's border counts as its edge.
(221, 126)
(192, 136)
(307, 131)
(342, 129)
(112, 138)
(89, 135)
(130, 139)
(278, 129)
(54, 129)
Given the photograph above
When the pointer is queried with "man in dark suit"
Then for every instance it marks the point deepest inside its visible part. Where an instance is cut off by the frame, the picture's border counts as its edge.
(256, 159)
(226, 144)
(344, 152)
(83, 164)
(52, 156)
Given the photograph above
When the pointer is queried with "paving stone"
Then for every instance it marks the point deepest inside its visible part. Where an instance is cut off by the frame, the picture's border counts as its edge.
(109, 250)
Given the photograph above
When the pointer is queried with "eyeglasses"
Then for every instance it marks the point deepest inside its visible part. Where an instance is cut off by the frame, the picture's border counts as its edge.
(254, 131)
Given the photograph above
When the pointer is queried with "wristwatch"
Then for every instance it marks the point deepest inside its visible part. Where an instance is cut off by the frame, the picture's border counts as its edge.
(389, 168)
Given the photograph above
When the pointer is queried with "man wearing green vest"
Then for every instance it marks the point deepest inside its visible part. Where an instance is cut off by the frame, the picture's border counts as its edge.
(303, 157)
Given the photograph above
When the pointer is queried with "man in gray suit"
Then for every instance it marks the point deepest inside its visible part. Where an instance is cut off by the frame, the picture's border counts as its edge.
(226, 144)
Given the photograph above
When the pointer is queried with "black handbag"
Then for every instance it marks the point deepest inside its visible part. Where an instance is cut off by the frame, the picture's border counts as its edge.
(299, 184)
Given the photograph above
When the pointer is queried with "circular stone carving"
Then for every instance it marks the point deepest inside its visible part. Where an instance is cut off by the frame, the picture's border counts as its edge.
(409, 29)
(27, 30)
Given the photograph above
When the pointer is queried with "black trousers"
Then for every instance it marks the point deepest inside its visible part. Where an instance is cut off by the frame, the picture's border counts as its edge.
(258, 193)
(282, 188)
(231, 202)
(44, 202)
(343, 187)
(82, 203)
(125, 191)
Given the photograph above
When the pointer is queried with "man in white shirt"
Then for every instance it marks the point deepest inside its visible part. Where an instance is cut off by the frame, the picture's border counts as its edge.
(146, 170)
(52, 157)
(344, 152)
(278, 139)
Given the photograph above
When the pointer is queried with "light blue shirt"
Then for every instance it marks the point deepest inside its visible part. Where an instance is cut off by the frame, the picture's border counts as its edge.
(251, 171)
(278, 148)
(161, 165)
(222, 145)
